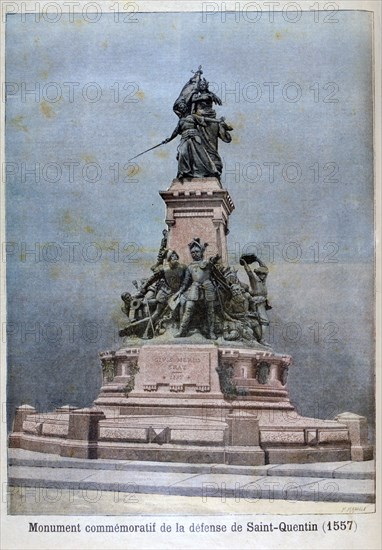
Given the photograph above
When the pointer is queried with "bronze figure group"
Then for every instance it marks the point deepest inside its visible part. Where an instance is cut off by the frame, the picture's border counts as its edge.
(204, 297)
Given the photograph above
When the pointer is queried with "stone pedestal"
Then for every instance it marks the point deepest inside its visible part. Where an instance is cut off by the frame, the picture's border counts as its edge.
(197, 208)
(201, 403)
(357, 426)
(184, 379)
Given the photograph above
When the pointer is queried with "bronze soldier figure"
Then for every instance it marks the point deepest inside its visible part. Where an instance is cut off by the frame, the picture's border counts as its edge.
(171, 278)
(198, 289)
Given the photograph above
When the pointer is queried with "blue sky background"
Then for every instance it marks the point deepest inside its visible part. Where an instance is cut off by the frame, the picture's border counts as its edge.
(152, 59)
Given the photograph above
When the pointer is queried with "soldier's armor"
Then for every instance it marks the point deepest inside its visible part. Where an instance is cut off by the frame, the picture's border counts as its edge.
(171, 279)
(174, 277)
(198, 274)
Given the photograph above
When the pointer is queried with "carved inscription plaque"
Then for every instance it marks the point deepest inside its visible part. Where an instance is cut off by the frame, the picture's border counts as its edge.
(176, 368)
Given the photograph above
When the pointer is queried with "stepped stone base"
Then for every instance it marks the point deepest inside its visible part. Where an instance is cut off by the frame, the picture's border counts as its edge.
(195, 404)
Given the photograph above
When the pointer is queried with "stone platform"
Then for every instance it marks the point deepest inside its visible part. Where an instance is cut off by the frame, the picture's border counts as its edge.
(195, 403)
(348, 482)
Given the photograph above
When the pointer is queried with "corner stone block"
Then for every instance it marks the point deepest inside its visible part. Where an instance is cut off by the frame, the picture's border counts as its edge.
(243, 430)
(83, 424)
(21, 415)
(15, 438)
(357, 426)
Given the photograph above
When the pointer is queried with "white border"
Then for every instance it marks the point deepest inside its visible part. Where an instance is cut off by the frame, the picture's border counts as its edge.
(368, 535)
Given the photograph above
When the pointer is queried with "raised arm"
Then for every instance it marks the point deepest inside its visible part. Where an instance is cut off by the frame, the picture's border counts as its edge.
(262, 264)
(173, 135)
(251, 276)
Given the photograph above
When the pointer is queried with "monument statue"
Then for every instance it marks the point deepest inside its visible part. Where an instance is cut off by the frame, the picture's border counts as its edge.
(194, 379)
(199, 129)
(197, 157)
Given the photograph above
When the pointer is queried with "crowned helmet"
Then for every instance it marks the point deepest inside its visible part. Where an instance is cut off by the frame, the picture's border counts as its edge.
(170, 253)
(196, 244)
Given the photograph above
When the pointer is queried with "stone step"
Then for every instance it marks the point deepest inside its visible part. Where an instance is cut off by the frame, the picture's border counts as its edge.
(215, 485)
(326, 470)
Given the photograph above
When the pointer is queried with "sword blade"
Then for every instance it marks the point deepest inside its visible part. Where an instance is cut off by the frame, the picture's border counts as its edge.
(147, 150)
